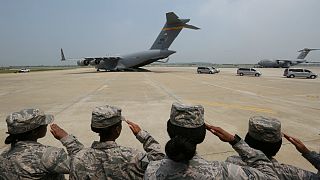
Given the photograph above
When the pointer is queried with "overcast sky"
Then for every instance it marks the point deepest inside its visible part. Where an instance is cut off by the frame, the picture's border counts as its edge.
(232, 31)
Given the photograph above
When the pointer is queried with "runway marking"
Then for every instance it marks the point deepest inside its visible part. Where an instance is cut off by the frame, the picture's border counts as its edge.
(157, 85)
(234, 106)
(257, 85)
(310, 96)
(216, 104)
(3, 94)
(231, 89)
(247, 92)
(86, 97)
(13, 92)
(313, 96)
(103, 87)
(268, 99)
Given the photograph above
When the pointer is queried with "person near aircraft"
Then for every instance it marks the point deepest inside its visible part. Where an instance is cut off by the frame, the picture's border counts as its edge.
(105, 159)
(186, 129)
(265, 134)
(28, 159)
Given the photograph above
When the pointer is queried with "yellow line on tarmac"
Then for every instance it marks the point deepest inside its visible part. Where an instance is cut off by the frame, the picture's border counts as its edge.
(313, 97)
(234, 106)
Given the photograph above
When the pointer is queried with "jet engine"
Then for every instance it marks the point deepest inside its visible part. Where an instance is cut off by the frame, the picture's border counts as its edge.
(83, 62)
(94, 62)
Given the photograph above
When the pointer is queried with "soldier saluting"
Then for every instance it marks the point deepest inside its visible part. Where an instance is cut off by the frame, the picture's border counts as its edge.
(28, 159)
(264, 134)
(105, 159)
(187, 129)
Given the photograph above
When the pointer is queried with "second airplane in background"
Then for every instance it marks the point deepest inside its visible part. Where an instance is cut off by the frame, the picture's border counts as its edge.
(286, 63)
(159, 49)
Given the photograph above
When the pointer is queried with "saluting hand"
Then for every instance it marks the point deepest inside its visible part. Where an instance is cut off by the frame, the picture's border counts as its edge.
(297, 143)
(57, 132)
(134, 127)
(220, 133)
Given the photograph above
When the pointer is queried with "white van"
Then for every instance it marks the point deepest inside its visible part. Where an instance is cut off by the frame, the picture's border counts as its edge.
(292, 73)
(207, 70)
(248, 71)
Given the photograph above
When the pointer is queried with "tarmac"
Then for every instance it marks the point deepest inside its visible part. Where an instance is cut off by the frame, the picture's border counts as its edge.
(146, 98)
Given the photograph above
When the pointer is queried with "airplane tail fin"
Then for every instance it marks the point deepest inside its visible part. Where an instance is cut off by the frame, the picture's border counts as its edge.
(170, 31)
(304, 52)
(62, 56)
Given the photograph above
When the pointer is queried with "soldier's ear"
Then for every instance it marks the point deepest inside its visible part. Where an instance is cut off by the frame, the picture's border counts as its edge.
(118, 129)
(40, 131)
(35, 133)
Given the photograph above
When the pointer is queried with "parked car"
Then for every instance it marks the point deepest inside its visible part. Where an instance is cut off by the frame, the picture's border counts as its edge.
(24, 70)
(248, 71)
(292, 73)
(216, 70)
(207, 70)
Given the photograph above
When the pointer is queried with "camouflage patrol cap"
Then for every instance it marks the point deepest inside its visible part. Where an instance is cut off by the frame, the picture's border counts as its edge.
(106, 116)
(27, 120)
(265, 129)
(187, 116)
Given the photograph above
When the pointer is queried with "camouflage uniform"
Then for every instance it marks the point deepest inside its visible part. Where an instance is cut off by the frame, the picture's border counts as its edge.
(267, 129)
(30, 159)
(199, 168)
(108, 160)
(314, 158)
(284, 171)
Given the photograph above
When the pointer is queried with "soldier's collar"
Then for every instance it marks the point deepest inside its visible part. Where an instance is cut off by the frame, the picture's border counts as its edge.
(104, 145)
(27, 142)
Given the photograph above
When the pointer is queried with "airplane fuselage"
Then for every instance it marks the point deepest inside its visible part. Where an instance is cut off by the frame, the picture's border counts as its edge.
(135, 60)
(142, 58)
(279, 63)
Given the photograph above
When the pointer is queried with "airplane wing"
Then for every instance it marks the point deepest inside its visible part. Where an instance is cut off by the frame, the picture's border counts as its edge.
(106, 58)
(291, 61)
(284, 60)
(96, 60)
(85, 61)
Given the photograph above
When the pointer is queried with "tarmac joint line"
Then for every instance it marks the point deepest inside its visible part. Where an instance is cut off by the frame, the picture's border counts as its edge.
(234, 106)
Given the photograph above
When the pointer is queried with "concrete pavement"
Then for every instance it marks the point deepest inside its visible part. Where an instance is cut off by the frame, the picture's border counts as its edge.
(146, 98)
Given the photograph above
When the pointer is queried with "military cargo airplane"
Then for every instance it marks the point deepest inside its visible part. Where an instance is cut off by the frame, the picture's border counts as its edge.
(286, 63)
(159, 50)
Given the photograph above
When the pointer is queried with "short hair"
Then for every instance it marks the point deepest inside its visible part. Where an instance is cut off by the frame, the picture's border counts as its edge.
(106, 131)
(269, 149)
